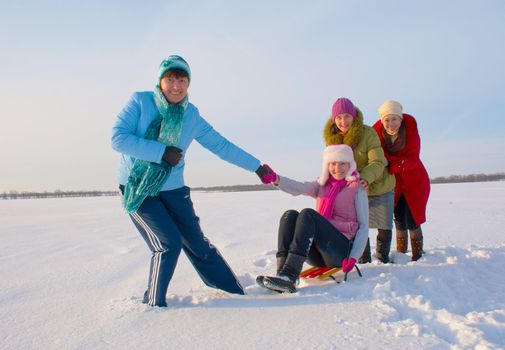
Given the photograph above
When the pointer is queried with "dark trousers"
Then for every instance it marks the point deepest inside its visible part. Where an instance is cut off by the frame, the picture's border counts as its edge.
(403, 217)
(309, 234)
(168, 223)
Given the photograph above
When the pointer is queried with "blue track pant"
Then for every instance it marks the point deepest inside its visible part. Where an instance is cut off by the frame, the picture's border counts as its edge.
(168, 223)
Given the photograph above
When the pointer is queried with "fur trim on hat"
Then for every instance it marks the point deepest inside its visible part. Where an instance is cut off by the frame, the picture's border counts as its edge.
(353, 136)
(337, 153)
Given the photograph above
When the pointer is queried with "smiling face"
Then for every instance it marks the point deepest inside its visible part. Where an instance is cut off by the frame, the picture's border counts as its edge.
(338, 169)
(391, 123)
(174, 87)
(344, 122)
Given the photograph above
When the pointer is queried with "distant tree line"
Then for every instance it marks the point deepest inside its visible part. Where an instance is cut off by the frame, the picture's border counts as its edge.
(468, 178)
(236, 188)
(55, 194)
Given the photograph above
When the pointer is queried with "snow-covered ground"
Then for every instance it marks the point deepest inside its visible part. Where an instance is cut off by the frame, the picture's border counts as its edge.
(72, 273)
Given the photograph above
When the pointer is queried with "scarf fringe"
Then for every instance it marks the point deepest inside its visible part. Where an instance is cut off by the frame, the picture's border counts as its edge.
(138, 188)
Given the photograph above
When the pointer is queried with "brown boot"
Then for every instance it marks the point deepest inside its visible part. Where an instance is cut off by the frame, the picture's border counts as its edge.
(416, 241)
(401, 241)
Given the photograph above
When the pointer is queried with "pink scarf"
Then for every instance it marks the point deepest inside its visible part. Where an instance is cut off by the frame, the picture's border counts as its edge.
(325, 203)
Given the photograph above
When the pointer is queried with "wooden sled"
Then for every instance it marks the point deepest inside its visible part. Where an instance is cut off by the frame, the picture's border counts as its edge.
(324, 272)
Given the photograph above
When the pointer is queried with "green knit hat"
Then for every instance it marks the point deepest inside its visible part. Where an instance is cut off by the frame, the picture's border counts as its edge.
(174, 62)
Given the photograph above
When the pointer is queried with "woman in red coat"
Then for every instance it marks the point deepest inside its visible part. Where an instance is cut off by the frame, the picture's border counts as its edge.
(401, 143)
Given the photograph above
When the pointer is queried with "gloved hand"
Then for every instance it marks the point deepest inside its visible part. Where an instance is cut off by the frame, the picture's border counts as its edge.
(266, 174)
(172, 155)
(348, 264)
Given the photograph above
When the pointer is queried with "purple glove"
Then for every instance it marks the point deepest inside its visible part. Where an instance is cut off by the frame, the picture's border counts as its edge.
(266, 174)
(348, 264)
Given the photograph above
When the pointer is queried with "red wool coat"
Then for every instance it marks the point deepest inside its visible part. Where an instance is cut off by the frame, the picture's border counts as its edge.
(412, 180)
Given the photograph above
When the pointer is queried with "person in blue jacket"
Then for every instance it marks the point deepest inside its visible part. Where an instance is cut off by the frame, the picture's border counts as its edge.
(152, 133)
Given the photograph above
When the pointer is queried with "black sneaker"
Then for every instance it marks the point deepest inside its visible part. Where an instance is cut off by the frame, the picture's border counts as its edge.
(281, 284)
(259, 280)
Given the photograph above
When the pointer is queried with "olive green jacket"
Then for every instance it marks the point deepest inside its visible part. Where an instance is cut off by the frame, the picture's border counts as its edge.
(368, 154)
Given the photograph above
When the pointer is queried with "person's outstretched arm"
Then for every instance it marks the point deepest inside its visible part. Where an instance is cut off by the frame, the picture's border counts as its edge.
(224, 149)
(296, 188)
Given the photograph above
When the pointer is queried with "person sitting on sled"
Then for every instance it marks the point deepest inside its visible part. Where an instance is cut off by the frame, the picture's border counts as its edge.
(335, 234)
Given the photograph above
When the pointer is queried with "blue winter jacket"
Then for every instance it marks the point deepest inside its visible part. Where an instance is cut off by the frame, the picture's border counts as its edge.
(128, 139)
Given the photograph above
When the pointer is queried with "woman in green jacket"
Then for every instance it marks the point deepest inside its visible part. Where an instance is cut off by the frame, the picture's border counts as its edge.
(345, 126)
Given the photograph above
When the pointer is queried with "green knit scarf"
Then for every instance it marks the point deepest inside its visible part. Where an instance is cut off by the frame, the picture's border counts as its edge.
(146, 178)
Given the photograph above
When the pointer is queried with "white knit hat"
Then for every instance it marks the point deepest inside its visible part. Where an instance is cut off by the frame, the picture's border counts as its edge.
(337, 153)
(390, 107)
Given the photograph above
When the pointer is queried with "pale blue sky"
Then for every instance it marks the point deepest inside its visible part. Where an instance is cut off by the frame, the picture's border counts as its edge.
(265, 74)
